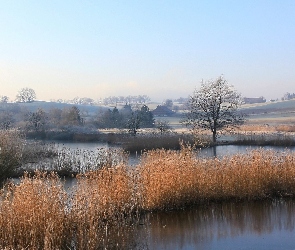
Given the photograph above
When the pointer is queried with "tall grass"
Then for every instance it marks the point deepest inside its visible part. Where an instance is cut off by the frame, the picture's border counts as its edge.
(33, 214)
(171, 180)
(261, 139)
(151, 141)
(103, 206)
(103, 209)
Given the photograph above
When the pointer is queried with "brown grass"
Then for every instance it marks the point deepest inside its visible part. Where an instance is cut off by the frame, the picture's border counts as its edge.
(33, 214)
(285, 128)
(266, 128)
(103, 200)
(103, 209)
(171, 180)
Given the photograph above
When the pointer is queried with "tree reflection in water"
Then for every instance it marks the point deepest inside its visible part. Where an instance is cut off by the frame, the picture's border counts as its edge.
(223, 226)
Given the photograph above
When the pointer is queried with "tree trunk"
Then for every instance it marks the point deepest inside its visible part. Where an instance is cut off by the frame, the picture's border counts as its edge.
(214, 137)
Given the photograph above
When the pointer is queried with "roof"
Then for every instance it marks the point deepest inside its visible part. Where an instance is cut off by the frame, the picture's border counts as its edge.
(162, 111)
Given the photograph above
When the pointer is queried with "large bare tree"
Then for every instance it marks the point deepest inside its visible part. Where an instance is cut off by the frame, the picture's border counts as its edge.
(214, 106)
(26, 95)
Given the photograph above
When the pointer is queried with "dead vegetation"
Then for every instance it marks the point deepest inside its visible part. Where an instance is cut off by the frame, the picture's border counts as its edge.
(102, 210)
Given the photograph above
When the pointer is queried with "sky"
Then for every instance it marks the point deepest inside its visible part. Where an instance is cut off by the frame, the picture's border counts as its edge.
(163, 49)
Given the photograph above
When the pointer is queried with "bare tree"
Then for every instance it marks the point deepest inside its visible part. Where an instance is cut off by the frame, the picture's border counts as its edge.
(26, 95)
(4, 99)
(37, 120)
(163, 126)
(168, 103)
(215, 107)
(72, 116)
(133, 123)
(6, 120)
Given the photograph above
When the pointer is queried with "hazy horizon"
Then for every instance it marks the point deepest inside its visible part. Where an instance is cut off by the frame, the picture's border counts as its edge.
(163, 49)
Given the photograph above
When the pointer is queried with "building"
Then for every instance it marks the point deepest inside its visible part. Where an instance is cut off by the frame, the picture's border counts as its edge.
(260, 99)
(162, 111)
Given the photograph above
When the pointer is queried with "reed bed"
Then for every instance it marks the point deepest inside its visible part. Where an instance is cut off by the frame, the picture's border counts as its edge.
(33, 214)
(149, 141)
(262, 138)
(172, 180)
(104, 208)
(267, 128)
(104, 203)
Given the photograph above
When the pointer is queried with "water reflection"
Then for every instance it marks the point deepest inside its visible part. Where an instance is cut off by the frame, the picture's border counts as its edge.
(224, 150)
(134, 159)
(258, 224)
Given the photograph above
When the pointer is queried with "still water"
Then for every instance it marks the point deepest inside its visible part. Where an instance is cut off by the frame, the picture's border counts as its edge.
(245, 225)
(218, 151)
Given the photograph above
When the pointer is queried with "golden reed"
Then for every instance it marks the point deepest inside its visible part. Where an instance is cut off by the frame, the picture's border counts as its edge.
(39, 213)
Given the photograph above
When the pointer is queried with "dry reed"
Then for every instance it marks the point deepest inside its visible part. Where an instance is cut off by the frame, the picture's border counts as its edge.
(103, 203)
(171, 180)
(33, 214)
(103, 209)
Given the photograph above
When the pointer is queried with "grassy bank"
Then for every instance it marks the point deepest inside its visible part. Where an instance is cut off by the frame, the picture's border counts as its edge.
(102, 210)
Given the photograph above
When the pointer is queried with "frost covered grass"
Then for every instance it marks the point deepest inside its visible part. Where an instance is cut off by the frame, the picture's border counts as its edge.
(103, 209)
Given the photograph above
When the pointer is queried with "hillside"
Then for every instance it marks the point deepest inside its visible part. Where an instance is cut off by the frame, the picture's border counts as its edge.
(46, 106)
(281, 112)
(279, 106)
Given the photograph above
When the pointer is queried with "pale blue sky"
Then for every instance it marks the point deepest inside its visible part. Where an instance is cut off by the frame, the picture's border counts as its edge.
(164, 49)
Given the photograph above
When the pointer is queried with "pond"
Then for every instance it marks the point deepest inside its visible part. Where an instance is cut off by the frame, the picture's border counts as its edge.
(245, 225)
(224, 150)
(218, 151)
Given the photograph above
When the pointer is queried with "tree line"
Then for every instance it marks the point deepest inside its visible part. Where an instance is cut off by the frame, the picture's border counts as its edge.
(13, 115)
(214, 106)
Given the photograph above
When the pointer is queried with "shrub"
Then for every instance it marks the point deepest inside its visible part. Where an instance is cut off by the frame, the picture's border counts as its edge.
(11, 149)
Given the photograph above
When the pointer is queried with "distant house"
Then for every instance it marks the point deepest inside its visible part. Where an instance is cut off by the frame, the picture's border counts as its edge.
(260, 99)
(162, 111)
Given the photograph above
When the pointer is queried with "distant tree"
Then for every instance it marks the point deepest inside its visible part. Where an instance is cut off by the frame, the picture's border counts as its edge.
(140, 99)
(4, 99)
(126, 110)
(288, 96)
(116, 118)
(215, 107)
(26, 95)
(163, 126)
(86, 101)
(146, 117)
(55, 117)
(37, 120)
(6, 120)
(175, 108)
(168, 103)
(182, 100)
(133, 123)
(143, 99)
(72, 116)
(110, 119)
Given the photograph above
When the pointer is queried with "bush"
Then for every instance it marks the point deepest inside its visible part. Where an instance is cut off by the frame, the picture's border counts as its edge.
(11, 149)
